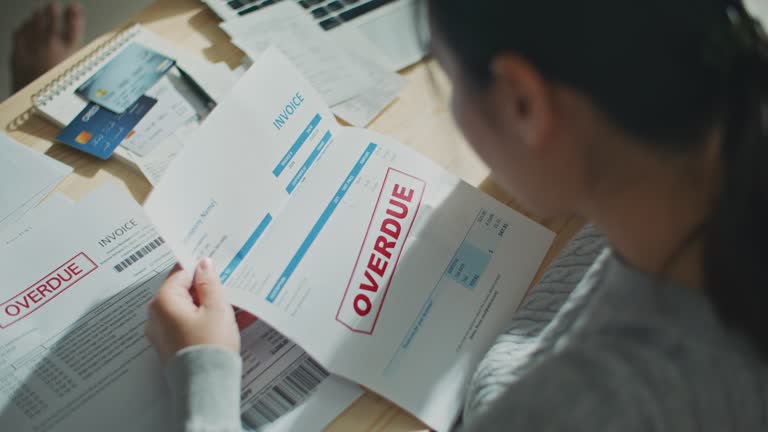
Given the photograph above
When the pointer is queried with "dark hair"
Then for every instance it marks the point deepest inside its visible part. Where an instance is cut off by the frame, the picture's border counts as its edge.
(667, 71)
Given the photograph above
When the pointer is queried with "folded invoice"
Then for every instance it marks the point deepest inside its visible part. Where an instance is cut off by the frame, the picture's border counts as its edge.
(73, 356)
(384, 267)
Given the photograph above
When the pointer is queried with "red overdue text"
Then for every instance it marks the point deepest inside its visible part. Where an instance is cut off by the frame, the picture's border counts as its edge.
(42, 291)
(391, 222)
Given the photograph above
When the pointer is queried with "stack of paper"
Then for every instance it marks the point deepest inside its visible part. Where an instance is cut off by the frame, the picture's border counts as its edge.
(355, 86)
(74, 355)
(26, 177)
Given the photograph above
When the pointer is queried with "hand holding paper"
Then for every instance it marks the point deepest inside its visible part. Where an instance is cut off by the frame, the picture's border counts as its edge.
(189, 311)
(384, 267)
(72, 327)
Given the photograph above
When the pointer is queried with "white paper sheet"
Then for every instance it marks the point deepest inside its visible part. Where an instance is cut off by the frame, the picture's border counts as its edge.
(357, 87)
(37, 218)
(177, 105)
(73, 355)
(288, 26)
(384, 84)
(159, 136)
(387, 269)
(154, 164)
(382, 91)
(26, 177)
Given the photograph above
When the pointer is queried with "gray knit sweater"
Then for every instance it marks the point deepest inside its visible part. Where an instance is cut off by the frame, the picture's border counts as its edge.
(597, 346)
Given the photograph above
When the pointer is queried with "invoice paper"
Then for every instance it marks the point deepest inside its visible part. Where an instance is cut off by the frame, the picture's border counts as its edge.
(73, 355)
(387, 269)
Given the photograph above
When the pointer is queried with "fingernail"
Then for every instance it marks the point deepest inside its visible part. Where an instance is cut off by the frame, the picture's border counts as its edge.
(205, 264)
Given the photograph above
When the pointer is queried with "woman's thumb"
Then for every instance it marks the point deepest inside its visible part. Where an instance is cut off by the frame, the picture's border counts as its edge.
(207, 284)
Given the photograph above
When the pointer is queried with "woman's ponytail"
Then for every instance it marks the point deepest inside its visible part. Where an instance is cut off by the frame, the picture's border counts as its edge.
(736, 242)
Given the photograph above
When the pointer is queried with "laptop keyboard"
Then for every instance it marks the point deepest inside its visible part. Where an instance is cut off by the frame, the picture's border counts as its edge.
(328, 13)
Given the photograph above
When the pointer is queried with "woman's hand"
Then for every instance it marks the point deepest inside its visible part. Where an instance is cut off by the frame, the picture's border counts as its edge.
(177, 320)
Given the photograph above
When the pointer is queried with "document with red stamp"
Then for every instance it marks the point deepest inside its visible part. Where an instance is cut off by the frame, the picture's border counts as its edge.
(386, 268)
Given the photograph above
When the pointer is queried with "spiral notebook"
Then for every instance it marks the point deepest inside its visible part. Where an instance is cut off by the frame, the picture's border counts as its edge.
(58, 102)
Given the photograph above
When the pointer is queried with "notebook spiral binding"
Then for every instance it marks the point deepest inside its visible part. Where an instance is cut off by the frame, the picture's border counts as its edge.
(84, 66)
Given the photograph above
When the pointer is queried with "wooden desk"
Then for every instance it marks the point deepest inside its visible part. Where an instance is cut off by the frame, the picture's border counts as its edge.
(419, 118)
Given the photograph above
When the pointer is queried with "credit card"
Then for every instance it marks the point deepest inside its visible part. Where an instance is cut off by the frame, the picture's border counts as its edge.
(99, 131)
(122, 81)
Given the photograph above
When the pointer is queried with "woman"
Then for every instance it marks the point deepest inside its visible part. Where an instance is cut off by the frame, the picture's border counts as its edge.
(650, 119)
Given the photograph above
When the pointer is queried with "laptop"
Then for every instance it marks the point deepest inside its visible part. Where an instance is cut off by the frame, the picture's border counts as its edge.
(397, 28)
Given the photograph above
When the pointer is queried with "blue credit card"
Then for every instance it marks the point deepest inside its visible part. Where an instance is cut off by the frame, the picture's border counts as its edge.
(123, 80)
(99, 131)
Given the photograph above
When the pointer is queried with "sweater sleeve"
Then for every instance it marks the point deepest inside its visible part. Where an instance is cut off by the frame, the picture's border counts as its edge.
(576, 391)
(534, 326)
(205, 389)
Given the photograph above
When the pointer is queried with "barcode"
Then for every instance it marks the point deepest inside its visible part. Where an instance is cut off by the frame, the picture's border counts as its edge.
(139, 254)
(284, 396)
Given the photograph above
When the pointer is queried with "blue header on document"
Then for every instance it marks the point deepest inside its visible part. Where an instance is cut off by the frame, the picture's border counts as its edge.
(308, 163)
(230, 268)
(297, 145)
(313, 233)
